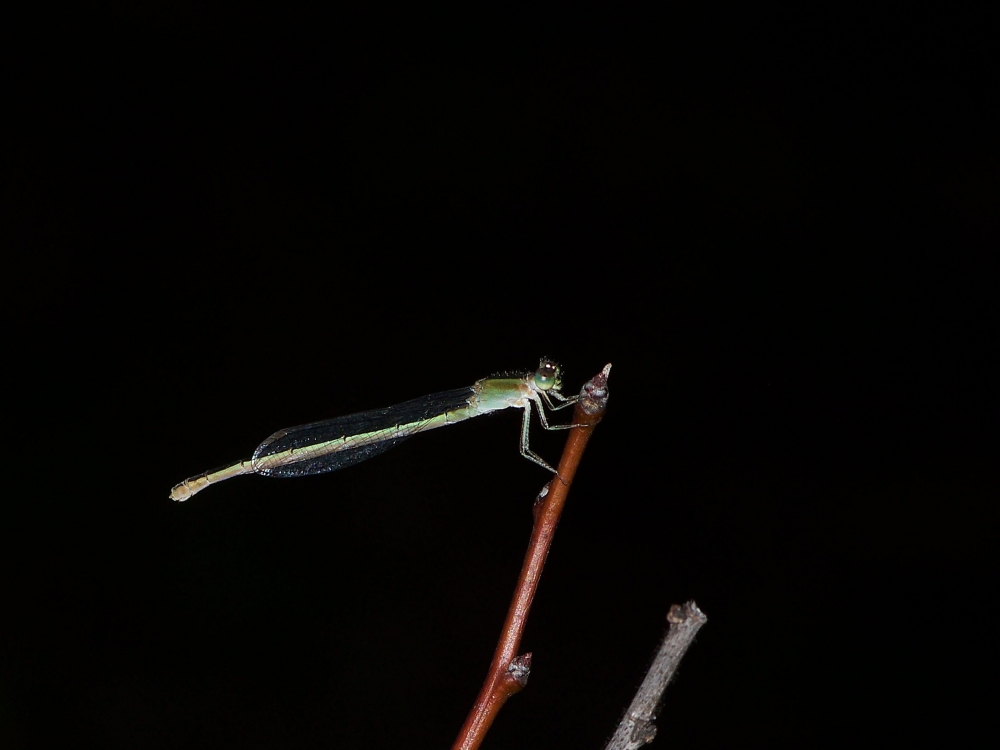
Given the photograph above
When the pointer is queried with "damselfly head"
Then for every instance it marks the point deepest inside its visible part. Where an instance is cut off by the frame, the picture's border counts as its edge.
(548, 376)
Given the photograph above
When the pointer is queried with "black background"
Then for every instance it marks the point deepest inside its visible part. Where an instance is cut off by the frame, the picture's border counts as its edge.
(780, 229)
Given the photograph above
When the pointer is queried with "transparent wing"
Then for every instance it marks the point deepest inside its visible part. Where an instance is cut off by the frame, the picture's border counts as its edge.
(332, 444)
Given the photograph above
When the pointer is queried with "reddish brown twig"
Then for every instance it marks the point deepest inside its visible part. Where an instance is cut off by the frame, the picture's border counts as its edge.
(507, 674)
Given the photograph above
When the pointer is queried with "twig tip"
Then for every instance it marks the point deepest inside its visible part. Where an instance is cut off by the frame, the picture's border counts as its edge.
(683, 612)
(594, 394)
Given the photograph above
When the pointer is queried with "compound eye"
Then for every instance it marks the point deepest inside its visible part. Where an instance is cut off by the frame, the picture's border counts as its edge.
(547, 376)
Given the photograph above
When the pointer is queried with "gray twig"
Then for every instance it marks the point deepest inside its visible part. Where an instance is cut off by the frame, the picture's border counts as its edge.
(636, 727)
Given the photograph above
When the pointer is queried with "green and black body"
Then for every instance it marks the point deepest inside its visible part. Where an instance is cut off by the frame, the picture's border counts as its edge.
(332, 444)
